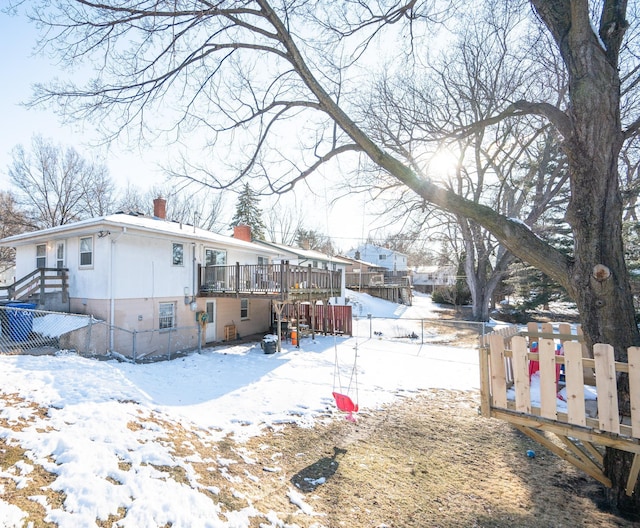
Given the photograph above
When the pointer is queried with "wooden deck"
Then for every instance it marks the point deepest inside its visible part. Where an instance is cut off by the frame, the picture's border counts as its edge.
(284, 282)
(581, 427)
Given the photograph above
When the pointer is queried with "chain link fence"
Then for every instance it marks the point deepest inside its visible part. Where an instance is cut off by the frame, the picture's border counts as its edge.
(449, 332)
(25, 330)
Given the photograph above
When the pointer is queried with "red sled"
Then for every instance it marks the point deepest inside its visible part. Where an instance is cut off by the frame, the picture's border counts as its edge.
(345, 404)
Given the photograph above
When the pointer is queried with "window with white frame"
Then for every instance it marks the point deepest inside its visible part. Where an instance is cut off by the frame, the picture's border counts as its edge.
(41, 256)
(60, 255)
(166, 315)
(244, 308)
(178, 255)
(86, 251)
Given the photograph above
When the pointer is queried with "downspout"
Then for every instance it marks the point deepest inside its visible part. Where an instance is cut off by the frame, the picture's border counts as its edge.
(112, 303)
(194, 272)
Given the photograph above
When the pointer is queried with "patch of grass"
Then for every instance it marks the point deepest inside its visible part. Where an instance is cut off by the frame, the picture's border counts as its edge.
(427, 461)
(33, 483)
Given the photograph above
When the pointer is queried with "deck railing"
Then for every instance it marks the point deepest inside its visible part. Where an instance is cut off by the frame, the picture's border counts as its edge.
(273, 279)
(563, 404)
(38, 282)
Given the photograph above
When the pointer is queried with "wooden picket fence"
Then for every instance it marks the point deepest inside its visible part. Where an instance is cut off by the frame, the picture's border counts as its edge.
(505, 388)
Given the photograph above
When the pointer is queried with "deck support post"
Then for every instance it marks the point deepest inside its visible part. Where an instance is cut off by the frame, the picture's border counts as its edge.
(633, 475)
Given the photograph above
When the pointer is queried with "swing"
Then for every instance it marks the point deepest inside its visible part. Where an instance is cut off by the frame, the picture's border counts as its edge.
(343, 401)
(345, 404)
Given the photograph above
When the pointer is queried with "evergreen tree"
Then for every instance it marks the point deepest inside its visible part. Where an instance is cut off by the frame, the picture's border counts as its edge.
(248, 212)
(532, 287)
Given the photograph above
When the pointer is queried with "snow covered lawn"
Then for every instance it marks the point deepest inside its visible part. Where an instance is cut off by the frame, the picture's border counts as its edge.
(101, 427)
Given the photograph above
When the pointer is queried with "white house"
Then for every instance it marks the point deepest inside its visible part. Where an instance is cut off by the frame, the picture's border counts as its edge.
(142, 273)
(427, 278)
(391, 260)
(149, 276)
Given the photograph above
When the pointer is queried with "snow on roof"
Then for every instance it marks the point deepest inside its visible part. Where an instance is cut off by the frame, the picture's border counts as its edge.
(122, 221)
(309, 254)
(352, 260)
(435, 269)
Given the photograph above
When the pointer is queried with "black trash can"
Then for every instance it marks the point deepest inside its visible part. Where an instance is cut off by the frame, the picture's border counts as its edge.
(269, 346)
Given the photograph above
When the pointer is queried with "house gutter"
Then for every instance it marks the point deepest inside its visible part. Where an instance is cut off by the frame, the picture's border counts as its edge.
(112, 302)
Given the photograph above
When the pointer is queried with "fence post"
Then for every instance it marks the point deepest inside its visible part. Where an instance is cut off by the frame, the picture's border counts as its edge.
(42, 287)
(88, 345)
(134, 343)
(422, 328)
(370, 325)
(170, 329)
(199, 338)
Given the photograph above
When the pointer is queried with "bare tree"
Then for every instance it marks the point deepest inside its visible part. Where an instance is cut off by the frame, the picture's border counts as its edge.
(242, 68)
(12, 222)
(511, 166)
(55, 185)
(202, 208)
(282, 222)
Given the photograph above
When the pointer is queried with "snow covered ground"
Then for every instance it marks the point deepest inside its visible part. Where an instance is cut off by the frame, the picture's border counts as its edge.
(232, 389)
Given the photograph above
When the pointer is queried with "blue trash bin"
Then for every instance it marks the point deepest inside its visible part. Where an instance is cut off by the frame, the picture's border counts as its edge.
(20, 321)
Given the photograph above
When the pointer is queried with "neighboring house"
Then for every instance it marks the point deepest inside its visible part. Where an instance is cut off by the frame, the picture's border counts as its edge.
(361, 274)
(7, 275)
(141, 273)
(428, 278)
(392, 261)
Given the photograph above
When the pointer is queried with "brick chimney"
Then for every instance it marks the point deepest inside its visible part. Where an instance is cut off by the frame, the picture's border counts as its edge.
(160, 208)
(242, 232)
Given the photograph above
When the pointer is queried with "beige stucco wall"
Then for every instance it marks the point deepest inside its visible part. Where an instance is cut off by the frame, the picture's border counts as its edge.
(228, 312)
(134, 320)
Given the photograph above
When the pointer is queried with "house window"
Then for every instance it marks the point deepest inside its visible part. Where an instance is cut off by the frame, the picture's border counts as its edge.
(41, 256)
(167, 316)
(60, 255)
(215, 257)
(178, 255)
(244, 308)
(86, 251)
(382, 257)
(215, 275)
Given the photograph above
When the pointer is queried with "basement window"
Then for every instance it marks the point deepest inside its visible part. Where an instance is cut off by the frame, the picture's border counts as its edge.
(167, 316)
(244, 308)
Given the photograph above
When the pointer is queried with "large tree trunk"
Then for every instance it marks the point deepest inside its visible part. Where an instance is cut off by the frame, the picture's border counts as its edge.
(598, 280)
(596, 277)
